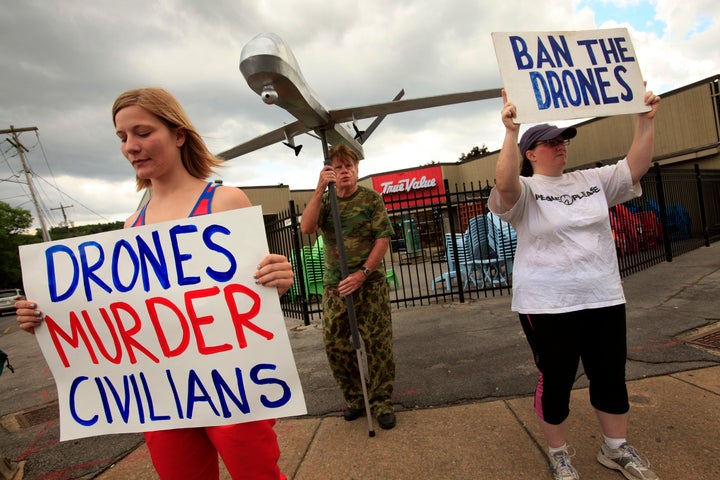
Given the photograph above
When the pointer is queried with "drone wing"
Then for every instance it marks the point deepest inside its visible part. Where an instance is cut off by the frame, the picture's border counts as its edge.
(379, 110)
(282, 134)
(387, 108)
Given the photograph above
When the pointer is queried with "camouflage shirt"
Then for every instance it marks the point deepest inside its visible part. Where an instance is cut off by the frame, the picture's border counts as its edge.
(364, 220)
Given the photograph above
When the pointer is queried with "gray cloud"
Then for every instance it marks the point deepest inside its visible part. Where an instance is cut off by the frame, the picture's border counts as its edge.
(65, 62)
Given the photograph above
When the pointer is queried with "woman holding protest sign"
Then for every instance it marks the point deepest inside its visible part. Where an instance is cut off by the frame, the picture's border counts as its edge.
(170, 157)
(566, 280)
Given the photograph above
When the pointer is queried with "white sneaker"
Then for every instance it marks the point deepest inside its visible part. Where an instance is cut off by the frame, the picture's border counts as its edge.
(627, 461)
(561, 467)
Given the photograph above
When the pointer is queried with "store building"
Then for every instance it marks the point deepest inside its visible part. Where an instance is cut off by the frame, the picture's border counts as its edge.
(687, 132)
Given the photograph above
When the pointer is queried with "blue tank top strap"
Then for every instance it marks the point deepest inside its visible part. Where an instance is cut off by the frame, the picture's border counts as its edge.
(202, 206)
(204, 203)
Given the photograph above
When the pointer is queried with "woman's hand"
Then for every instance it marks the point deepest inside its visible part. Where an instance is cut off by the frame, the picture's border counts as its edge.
(654, 102)
(275, 271)
(508, 113)
(28, 316)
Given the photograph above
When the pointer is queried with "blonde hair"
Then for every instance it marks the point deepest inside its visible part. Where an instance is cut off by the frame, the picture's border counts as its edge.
(196, 158)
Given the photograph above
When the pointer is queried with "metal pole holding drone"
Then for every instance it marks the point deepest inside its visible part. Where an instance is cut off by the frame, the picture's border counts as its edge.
(352, 319)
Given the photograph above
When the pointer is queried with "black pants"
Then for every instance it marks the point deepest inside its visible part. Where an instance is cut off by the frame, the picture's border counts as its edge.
(560, 341)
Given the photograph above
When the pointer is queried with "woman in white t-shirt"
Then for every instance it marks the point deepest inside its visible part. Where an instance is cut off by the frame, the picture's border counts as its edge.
(566, 280)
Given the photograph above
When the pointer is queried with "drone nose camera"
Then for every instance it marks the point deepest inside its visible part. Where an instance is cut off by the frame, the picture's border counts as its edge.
(269, 95)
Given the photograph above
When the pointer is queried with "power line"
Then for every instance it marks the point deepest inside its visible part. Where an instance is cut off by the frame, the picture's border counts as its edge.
(20, 147)
(41, 206)
(65, 220)
(74, 200)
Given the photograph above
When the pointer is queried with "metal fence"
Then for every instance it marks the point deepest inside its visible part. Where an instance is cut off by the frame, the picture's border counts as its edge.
(449, 248)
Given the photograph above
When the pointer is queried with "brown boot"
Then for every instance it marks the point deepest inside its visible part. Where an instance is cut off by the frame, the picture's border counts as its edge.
(11, 470)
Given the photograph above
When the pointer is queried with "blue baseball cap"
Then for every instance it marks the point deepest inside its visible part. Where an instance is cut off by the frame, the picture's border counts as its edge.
(543, 132)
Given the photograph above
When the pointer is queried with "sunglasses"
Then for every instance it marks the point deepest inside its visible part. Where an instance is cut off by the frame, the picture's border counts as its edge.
(554, 142)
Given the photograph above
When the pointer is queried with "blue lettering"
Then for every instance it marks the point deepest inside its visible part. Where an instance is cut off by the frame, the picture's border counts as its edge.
(128, 263)
(286, 394)
(124, 245)
(151, 405)
(609, 51)
(604, 84)
(612, 50)
(623, 50)
(176, 397)
(588, 44)
(561, 89)
(136, 390)
(132, 400)
(104, 400)
(588, 86)
(542, 94)
(123, 405)
(157, 262)
(556, 91)
(628, 95)
(52, 279)
(207, 238)
(561, 51)
(73, 411)
(223, 389)
(88, 270)
(195, 384)
(522, 59)
(572, 90)
(543, 56)
(182, 257)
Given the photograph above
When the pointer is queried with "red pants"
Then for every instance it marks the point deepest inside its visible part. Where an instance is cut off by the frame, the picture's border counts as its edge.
(249, 451)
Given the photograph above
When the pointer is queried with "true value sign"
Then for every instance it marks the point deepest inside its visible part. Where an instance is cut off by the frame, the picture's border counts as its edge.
(422, 186)
(407, 185)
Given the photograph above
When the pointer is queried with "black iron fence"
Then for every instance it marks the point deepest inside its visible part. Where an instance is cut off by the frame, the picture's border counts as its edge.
(449, 247)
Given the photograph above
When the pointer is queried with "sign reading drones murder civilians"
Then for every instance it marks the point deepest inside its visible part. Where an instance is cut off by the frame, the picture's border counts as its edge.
(563, 75)
(163, 326)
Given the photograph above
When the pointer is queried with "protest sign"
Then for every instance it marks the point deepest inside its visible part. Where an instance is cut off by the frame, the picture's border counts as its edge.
(564, 75)
(162, 326)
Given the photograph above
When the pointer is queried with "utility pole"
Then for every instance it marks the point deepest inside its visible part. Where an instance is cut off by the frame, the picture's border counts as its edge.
(63, 207)
(19, 147)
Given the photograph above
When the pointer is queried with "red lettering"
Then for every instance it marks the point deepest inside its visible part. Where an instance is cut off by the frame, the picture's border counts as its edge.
(172, 325)
(98, 341)
(242, 319)
(151, 304)
(74, 339)
(127, 335)
(197, 322)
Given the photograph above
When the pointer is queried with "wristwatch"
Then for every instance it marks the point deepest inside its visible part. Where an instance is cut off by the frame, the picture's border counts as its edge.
(366, 271)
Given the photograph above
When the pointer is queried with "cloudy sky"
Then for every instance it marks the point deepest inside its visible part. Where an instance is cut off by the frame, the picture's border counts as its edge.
(64, 63)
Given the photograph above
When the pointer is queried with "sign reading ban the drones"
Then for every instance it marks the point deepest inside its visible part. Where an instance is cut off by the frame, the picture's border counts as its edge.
(565, 75)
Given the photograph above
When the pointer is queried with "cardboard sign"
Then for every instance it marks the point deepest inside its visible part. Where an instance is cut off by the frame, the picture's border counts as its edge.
(565, 75)
(162, 326)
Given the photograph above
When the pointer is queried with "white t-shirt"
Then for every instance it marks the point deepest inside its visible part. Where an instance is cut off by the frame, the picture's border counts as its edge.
(565, 259)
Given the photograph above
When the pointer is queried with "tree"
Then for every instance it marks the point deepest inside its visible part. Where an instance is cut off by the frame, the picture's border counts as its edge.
(13, 221)
(59, 233)
(476, 152)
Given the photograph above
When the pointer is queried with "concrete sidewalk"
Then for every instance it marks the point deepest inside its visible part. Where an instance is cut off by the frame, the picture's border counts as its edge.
(463, 396)
(674, 393)
(674, 421)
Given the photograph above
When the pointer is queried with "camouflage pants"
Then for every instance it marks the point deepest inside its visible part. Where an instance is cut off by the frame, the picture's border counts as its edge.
(372, 307)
